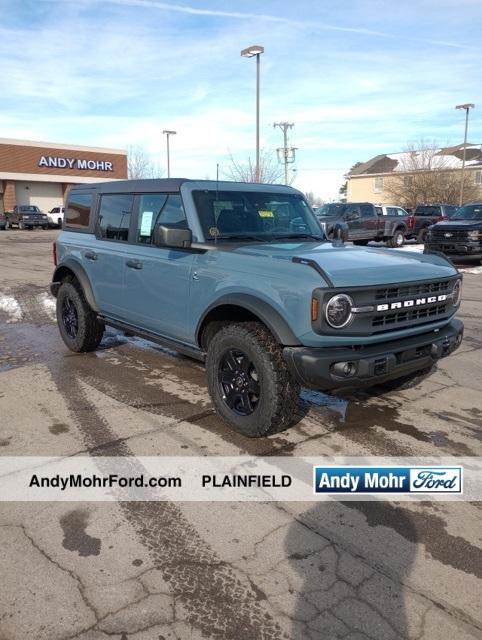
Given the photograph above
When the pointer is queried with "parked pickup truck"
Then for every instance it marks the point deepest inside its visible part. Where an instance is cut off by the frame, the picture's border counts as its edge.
(460, 236)
(27, 217)
(365, 222)
(241, 276)
(426, 215)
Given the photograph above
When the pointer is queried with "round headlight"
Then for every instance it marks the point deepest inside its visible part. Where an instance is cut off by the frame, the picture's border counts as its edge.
(338, 311)
(457, 293)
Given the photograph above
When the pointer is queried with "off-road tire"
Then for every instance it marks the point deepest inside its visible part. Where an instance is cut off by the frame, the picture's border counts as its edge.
(90, 330)
(395, 241)
(279, 392)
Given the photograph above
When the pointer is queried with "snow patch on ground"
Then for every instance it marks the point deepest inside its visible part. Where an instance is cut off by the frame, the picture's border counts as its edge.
(10, 306)
(48, 303)
(473, 270)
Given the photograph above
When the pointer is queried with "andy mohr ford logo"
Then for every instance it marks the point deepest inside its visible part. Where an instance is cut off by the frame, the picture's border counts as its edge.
(412, 303)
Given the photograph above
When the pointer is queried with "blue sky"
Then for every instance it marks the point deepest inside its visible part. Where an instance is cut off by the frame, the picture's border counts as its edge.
(357, 78)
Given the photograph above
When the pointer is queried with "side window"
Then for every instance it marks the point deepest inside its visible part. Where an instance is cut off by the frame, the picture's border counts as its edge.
(115, 217)
(77, 211)
(401, 212)
(392, 211)
(158, 208)
(379, 211)
(366, 211)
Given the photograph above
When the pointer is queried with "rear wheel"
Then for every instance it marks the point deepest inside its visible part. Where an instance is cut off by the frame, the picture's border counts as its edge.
(249, 381)
(78, 324)
(397, 240)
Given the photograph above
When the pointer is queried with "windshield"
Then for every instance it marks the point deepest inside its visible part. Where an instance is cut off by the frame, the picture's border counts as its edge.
(27, 209)
(255, 215)
(332, 209)
(468, 212)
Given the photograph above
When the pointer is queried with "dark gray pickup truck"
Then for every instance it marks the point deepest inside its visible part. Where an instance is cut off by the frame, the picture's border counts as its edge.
(365, 222)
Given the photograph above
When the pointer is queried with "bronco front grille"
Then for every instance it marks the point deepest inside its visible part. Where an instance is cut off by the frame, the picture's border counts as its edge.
(425, 288)
(402, 317)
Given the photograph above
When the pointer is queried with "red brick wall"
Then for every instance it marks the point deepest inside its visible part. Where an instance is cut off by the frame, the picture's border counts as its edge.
(24, 159)
(9, 200)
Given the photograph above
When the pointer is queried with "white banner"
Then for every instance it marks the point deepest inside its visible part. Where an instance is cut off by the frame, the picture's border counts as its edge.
(195, 478)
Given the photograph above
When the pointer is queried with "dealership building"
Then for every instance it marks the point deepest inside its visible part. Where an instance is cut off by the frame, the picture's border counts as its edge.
(41, 173)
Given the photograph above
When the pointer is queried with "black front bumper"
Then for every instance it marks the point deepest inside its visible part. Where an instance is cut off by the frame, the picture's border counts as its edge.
(313, 367)
(456, 249)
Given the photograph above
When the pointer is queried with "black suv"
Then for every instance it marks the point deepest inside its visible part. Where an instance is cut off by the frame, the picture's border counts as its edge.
(27, 216)
(459, 237)
(426, 215)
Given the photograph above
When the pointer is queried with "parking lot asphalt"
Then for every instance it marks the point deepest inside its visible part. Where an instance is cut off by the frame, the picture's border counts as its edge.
(164, 571)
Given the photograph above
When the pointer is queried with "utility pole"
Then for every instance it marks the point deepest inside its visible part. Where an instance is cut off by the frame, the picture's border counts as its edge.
(286, 155)
(467, 108)
(168, 133)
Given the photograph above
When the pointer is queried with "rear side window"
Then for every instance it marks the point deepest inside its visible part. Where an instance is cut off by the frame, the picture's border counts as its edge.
(115, 217)
(158, 208)
(77, 212)
(366, 211)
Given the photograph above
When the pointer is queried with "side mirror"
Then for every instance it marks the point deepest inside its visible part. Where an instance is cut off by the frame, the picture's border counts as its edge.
(340, 233)
(165, 235)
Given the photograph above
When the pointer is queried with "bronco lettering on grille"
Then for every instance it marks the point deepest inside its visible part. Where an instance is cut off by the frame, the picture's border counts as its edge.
(412, 303)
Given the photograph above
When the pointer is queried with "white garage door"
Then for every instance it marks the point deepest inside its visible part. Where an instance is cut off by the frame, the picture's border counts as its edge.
(46, 195)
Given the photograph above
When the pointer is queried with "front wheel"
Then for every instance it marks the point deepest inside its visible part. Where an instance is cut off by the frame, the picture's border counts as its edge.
(397, 240)
(249, 381)
(422, 236)
(78, 324)
(21, 225)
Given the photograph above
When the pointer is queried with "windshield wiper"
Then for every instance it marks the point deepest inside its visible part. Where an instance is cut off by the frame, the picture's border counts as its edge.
(242, 236)
(291, 236)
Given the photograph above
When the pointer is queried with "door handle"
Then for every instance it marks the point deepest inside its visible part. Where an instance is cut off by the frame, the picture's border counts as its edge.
(90, 255)
(134, 264)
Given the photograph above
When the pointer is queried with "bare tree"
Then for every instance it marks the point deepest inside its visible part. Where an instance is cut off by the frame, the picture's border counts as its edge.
(140, 165)
(424, 175)
(313, 201)
(269, 169)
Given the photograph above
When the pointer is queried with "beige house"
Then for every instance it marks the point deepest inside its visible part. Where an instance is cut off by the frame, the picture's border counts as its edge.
(374, 181)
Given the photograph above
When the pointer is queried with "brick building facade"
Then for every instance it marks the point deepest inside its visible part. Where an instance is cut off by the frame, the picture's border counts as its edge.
(41, 173)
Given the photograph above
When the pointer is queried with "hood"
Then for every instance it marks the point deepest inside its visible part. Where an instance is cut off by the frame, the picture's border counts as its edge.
(458, 224)
(351, 266)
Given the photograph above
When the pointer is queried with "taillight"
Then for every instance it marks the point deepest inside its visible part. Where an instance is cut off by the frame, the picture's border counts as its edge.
(411, 222)
(54, 253)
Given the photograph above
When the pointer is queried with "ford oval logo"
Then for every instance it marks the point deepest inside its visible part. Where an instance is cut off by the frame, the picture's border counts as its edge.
(449, 235)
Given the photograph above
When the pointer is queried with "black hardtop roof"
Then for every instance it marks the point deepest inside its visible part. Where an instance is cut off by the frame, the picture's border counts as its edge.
(169, 185)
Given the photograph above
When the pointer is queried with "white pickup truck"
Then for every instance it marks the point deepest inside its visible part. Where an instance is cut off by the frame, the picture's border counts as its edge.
(56, 217)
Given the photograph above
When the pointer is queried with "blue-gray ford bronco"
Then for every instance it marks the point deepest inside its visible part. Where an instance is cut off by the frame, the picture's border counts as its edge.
(242, 277)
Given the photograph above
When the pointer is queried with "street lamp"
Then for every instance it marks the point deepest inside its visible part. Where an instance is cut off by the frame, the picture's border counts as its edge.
(467, 108)
(167, 134)
(250, 52)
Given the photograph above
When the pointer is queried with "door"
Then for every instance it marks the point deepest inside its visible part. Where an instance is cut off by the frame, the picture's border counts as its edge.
(371, 225)
(157, 279)
(105, 259)
(352, 217)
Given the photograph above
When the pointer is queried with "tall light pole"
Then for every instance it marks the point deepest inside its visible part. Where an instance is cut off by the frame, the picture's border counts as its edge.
(250, 52)
(468, 106)
(286, 155)
(168, 133)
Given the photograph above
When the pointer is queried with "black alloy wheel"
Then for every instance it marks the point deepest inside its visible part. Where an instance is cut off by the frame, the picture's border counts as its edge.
(239, 382)
(70, 318)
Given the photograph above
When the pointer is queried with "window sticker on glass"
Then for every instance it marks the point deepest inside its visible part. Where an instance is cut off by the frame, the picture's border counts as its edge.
(264, 213)
(146, 223)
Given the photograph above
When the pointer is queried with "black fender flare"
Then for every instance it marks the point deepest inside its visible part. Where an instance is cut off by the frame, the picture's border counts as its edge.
(263, 310)
(78, 270)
